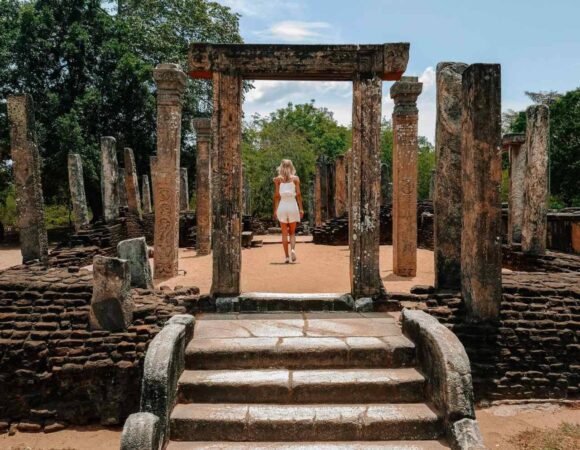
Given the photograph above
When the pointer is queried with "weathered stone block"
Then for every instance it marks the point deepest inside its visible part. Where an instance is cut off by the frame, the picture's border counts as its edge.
(27, 179)
(132, 183)
(203, 184)
(146, 195)
(183, 190)
(109, 178)
(111, 303)
(135, 251)
(534, 223)
(447, 187)
(481, 185)
(77, 191)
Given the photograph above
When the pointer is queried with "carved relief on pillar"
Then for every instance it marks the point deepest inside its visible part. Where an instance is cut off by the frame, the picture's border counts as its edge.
(203, 188)
(170, 87)
(405, 150)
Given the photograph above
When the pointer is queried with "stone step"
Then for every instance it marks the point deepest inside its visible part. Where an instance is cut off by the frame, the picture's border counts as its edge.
(275, 301)
(300, 352)
(264, 422)
(301, 386)
(352, 445)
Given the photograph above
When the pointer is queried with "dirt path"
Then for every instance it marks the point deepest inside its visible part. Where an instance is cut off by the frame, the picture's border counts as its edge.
(320, 268)
(498, 424)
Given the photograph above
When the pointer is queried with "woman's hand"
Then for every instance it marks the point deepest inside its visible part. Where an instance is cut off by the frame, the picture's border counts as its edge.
(275, 216)
(301, 214)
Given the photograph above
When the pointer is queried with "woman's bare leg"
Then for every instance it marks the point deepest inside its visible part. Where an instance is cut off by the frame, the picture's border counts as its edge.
(292, 231)
(284, 227)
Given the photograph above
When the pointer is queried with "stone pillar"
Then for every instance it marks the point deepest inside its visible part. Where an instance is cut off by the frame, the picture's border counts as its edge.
(183, 190)
(330, 190)
(405, 151)
(135, 251)
(146, 195)
(311, 203)
(534, 224)
(78, 196)
(432, 181)
(111, 305)
(109, 179)
(365, 187)
(227, 220)
(448, 191)
(340, 201)
(171, 82)
(132, 184)
(203, 186)
(122, 188)
(385, 185)
(481, 183)
(513, 143)
(27, 179)
(318, 195)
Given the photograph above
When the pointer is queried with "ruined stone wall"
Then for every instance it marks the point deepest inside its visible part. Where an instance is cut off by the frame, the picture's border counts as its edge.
(534, 349)
(53, 369)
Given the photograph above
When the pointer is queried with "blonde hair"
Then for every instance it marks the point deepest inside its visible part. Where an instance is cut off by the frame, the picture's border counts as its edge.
(286, 170)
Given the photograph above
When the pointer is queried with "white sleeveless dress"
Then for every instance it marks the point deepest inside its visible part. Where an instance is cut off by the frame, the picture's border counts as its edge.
(288, 211)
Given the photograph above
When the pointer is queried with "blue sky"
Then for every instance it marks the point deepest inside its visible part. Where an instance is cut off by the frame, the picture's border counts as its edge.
(537, 43)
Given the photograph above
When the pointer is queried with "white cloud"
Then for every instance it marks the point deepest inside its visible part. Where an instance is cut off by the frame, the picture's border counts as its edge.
(261, 7)
(268, 96)
(296, 31)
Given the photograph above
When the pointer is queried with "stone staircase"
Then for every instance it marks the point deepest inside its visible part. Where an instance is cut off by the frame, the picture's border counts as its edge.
(302, 381)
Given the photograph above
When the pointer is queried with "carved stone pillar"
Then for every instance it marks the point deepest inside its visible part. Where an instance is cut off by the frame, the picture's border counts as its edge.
(146, 195)
(183, 190)
(534, 224)
(171, 82)
(365, 187)
(405, 151)
(340, 200)
(109, 179)
(447, 192)
(513, 143)
(330, 190)
(27, 179)
(132, 184)
(203, 186)
(78, 196)
(481, 178)
(227, 220)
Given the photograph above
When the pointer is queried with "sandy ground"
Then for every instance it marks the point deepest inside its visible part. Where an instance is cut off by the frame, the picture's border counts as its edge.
(498, 424)
(319, 268)
(9, 256)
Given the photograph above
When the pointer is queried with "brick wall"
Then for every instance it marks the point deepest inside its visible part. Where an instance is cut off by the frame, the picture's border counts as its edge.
(53, 369)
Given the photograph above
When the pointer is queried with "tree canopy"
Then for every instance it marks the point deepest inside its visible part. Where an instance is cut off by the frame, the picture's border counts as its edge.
(89, 71)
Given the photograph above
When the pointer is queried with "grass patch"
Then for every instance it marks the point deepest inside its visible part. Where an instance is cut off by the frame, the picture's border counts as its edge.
(565, 437)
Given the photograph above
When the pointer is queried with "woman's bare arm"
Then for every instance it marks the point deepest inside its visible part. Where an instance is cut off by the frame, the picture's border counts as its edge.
(299, 196)
(276, 196)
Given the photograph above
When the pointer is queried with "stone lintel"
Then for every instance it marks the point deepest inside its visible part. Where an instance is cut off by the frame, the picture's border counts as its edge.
(298, 62)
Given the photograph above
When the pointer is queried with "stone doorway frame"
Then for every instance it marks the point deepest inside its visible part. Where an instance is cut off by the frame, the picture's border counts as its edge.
(366, 66)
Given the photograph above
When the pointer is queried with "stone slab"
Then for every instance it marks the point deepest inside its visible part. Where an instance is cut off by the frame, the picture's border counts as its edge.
(350, 445)
(263, 422)
(301, 386)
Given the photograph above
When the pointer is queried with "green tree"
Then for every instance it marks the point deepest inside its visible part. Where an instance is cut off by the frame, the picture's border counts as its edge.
(301, 133)
(425, 165)
(89, 71)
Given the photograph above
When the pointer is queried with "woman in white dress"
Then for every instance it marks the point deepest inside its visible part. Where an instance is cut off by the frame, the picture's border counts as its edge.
(288, 205)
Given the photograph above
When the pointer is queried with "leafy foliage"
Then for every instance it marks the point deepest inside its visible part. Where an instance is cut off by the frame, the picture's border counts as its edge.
(89, 72)
(301, 133)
